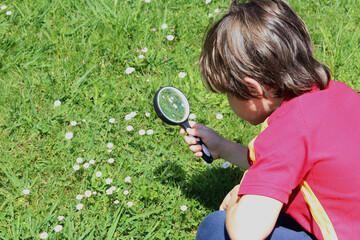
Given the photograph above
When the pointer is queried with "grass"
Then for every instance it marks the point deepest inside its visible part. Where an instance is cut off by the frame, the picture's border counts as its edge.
(77, 52)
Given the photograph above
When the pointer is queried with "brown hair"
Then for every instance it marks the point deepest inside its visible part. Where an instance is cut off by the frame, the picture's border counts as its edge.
(267, 41)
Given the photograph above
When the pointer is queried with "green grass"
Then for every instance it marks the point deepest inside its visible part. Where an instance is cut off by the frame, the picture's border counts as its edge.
(77, 52)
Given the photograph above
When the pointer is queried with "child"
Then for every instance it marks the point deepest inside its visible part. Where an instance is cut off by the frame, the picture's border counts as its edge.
(304, 165)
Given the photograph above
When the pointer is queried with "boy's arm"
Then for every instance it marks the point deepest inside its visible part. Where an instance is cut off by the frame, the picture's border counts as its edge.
(218, 146)
(252, 217)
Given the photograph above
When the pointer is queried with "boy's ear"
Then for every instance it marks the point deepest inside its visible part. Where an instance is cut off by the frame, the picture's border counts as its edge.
(256, 88)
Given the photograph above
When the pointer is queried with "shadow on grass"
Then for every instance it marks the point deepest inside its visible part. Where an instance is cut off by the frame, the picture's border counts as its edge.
(208, 186)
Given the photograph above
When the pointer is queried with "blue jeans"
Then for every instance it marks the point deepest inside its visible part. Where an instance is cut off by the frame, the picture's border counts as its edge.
(213, 228)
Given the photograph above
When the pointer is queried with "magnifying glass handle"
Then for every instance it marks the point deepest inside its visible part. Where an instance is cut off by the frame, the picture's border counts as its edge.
(206, 153)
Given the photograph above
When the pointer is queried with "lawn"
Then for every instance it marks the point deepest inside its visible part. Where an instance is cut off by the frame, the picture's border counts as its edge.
(83, 154)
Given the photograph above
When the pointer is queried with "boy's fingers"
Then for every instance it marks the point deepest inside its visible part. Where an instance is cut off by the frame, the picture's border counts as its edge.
(195, 148)
(182, 131)
(190, 140)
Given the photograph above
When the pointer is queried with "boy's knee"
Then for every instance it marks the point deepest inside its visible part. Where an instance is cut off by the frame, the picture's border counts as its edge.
(213, 227)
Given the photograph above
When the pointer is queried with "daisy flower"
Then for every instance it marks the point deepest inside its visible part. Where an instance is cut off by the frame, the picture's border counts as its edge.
(128, 179)
(226, 165)
(87, 193)
(113, 188)
(110, 145)
(219, 116)
(147, 114)
(130, 204)
(208, 1)
(126, 192)
(57, 103)
(112, 120)
(86, 165)
(69, 135)
(58, 228)
(3, 7)
(92, 162)
(111, 160)
(108, 181)
(109, 191)
(116, 202)
(133, 114)
(192, 116)
(129, 70)
(170, 37)
(164, 26)
(149, 132)
(44, 235)
(144, 49)
(79, 160)
(73, 123)
(79, 197)
(98, 174)
(60, 218)
(76, 167)
(80, 206)
(128, 117)
(141, 56)
(8, 13)
(142, 132)
(183, 208)
(217, 10)
(26, 191)
(182, 75)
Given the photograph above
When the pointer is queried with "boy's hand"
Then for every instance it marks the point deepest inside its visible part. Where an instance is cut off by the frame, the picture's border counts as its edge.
(211, 139)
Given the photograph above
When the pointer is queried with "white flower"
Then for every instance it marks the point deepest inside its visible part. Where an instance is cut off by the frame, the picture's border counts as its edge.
(217, 10)
(57, 103)
(79, 197)
(109, 191)
(84, 120)
(60, 218)
(129, 128)
(226, 165)
(113, 188)
(183, 208)
(58, 228)
(147, 114)
(94, 192)
(92, 161)
(79, 160)
(219, 116)
(116, 202)
(110, 145)
(141, 56)
(80, 206)
(210, 15)
(110, 160)
(128, 179)
(164, 26)
(44, 235)
(129, 70)
(69, 135)
(170, 37)
(208, 1)
(73, 123)
(112, 120)
(144, 49)
(98, 174)
(108, 181)
(192, 116)
(149, 132)
(142, 132)
(3, 7)
(182, 75)
(86, 165)
(8, 12)
(87, 193)
(76, 167)
(206, 163)
(128, 117)
(133, 114)
(26, 191)
(109, 150)
(130, 204)
(126, 192)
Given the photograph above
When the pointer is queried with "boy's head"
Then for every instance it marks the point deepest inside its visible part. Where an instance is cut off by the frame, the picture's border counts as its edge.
(266, 41)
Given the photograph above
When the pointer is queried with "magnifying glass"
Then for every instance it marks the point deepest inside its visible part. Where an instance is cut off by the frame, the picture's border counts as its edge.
(173, 108)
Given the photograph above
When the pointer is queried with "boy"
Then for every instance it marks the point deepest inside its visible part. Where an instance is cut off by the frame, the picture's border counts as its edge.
(304, 165)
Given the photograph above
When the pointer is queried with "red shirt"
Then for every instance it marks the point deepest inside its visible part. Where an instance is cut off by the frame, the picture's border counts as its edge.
(308, 157)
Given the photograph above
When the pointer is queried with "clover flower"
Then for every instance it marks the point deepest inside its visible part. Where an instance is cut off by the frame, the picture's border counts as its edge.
(108, 181)
(226, 165)
(116, 202)
(126, 192)
(219, 116)
(60, 218)
(79, 197)
(141, 132)
(8, 13)
(69, 135)
(208, 1)
(147, 114)
(170, 37)
(129, 70)
(44, 235)
(128, 117)
(92, 161)
(128, 179)
(73, 123)
(130, 204)
(86, 165)
(79, 160)
(149, 132)
(58, 228)
(109, 191)
(164, 26)
(141, 56)
(192, 116)
(144, 49)
(3, 7)
(76, 167)
(111, 160)
(110, 145)
(112, 120)
(98, 174)
(217, 10)
(87, 193)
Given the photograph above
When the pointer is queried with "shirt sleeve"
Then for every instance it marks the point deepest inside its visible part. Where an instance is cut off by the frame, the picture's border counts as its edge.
(281, 156)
